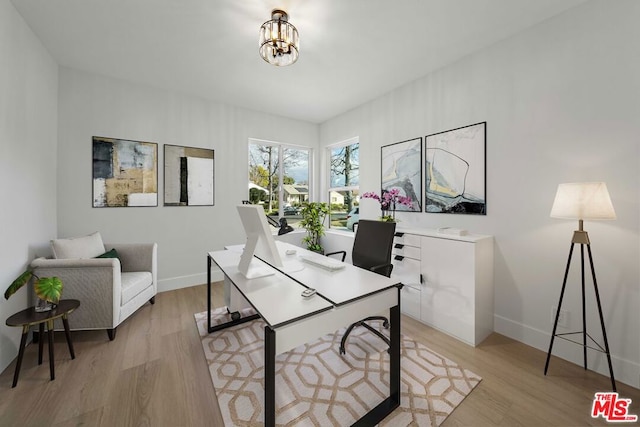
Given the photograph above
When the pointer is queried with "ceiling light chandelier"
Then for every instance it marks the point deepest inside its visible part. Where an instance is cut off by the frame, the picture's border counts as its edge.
(279, 42)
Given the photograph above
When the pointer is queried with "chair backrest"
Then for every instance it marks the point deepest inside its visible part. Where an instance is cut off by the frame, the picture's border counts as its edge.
(373, 245)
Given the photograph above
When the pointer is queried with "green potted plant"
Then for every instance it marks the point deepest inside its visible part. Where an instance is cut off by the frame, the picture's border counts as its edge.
(313, 216)
(48, 289)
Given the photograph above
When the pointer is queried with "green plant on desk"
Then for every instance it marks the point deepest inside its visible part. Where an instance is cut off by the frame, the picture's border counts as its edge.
(313, 216)
(46, 288)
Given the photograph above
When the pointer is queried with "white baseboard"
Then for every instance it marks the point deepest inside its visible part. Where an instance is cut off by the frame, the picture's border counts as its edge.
(624, 371)
(187, 281)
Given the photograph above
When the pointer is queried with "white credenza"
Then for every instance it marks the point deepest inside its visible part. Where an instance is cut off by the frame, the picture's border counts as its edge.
(448, 281)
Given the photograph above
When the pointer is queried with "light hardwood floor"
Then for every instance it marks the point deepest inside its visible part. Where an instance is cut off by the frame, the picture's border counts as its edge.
(155, 374)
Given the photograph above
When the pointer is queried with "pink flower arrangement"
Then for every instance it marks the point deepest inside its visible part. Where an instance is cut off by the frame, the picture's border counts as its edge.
(388, 201)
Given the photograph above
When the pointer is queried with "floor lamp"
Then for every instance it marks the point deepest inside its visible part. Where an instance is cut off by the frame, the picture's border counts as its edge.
(585, 200)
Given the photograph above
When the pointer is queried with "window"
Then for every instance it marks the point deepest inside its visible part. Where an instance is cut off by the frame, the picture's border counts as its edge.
(272, 163)
(344, 181)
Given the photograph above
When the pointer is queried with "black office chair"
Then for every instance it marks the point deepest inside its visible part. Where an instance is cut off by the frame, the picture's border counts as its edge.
(372, 248)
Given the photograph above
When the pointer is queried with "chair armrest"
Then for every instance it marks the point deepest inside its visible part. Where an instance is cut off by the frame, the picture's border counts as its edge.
(344, 254)
(135, 256)
(95, 282)
(138, 257)
(49, 263)
(384, 269)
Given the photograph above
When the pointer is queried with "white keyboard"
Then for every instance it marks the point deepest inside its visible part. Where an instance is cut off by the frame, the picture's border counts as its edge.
(321, 261)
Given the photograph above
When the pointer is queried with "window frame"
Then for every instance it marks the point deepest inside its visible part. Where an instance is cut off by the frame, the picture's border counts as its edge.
(281, 147)
(351, 141)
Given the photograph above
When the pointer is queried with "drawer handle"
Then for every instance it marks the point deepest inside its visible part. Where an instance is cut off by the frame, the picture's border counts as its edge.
(421, 279)
(399, 234)
(399, 257)
(399, 246)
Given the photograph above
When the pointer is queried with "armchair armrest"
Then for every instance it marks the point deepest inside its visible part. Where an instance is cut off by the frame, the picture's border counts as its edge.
(95, 282)
(49, 263)
(135, 256)
(138, 257)
(343, 253)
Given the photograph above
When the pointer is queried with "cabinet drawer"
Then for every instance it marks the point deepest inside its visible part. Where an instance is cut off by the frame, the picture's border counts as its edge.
(410, 301)
(406, 251)
(406, 270)
(407, 239)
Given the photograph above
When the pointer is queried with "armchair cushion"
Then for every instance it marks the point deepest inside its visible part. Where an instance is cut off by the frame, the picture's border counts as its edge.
(80, 247)
(134, 283)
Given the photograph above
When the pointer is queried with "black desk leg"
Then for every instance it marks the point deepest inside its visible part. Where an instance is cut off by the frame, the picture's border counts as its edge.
(388, 405)
(23, 343)
(209, 293)
(65, 322)
(40, 342)
(269, 377)
(394, 362)
(50, 335)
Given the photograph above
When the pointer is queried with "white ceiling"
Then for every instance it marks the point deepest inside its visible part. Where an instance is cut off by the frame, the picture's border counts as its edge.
(351, 51)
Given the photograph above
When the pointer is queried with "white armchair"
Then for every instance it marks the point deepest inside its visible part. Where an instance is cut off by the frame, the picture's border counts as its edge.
(109, 289)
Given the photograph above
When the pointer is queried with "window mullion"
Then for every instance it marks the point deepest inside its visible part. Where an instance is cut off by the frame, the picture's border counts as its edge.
(280, 181)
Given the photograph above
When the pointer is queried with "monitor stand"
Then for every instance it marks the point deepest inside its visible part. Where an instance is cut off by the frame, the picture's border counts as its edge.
(254, 272)
(291, 266)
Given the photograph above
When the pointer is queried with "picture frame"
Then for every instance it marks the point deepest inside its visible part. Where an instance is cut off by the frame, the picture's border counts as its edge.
(401, 168)
(125, 173)
(189, 176)
(455, 171)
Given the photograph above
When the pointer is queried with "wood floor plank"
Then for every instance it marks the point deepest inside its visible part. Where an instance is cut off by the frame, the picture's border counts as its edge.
(154, 373)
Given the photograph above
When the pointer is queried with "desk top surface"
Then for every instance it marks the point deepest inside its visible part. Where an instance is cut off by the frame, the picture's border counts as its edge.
(338, 286)
(278, 297)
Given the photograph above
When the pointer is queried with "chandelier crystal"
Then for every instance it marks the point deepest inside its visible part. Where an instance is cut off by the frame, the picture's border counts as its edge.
(279, 42)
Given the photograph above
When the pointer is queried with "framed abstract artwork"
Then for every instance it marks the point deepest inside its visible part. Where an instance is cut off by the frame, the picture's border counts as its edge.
(125, 173)
(402, 169)
(455, 171)
(188, 176)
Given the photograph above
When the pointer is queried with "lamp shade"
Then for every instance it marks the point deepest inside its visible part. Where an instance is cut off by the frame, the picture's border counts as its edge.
(583, 200)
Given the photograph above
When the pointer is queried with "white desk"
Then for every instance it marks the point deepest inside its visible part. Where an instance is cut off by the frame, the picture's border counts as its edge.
(343, 297)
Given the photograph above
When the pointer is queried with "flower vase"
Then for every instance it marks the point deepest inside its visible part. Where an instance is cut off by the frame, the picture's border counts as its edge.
(388, 218)
(44, 305)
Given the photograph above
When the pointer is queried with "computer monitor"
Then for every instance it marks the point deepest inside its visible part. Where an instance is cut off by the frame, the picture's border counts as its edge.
(260, 242)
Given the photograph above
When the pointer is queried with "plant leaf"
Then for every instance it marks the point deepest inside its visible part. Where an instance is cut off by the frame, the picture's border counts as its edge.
(18, 283)
(49, 289)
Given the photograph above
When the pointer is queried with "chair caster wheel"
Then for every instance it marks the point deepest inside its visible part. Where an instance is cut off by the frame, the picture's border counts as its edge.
(385, 324)
(235, 315)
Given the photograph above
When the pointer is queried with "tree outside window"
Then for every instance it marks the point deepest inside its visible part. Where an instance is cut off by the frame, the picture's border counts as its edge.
(278, 178)
(344, 176)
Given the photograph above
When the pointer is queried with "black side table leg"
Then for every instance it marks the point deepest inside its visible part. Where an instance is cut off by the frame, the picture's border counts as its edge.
(23, 343)
(40, 342)
(50, 335)
(65, 322)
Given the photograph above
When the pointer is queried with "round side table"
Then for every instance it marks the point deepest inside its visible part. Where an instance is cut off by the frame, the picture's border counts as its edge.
(29, 317)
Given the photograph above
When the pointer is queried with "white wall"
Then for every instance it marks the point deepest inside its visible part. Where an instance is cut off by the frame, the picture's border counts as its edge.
(94, 105)
(561, 102)
(28, 133)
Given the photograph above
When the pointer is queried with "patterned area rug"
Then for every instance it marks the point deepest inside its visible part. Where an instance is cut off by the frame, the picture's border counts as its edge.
(316, 386)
